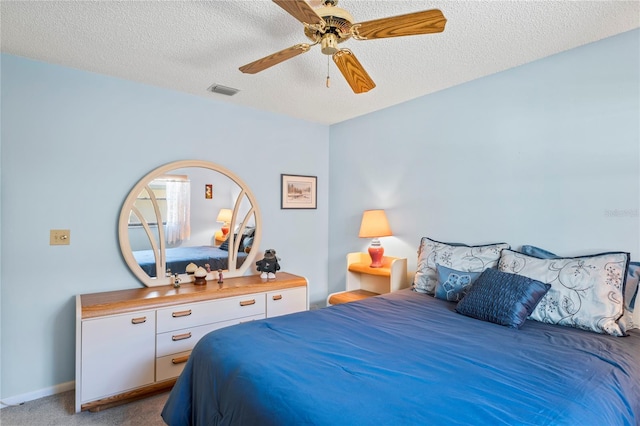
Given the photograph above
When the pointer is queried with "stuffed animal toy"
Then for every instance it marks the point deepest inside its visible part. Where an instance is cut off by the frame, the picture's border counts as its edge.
(268, 265)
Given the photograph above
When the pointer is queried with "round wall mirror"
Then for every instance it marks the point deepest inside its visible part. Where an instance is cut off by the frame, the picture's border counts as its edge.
(185, 215)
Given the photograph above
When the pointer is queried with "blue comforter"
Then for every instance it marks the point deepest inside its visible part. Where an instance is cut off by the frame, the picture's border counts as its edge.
(406, 358)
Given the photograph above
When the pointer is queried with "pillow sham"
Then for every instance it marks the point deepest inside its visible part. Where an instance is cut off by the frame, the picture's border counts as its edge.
(634, 303)
(502, 298)
(631, 315)
(460, 257)
(452, 285)
(538, 252)
(586, 291)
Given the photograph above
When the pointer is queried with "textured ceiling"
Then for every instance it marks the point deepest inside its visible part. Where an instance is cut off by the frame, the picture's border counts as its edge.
(190, 45)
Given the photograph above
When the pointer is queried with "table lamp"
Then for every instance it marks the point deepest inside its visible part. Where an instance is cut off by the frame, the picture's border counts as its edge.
(374, 225)
(224, 217)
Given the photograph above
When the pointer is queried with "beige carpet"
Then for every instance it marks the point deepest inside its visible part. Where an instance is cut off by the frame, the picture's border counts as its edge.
(59, 410)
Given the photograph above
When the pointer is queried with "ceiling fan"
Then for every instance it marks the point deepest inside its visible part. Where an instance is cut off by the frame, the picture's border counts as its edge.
(329, 25)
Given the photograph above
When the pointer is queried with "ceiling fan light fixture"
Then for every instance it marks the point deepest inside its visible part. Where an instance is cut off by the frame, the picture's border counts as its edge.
(222, 90)
(337, 21)
(329, 44)
(328, 12)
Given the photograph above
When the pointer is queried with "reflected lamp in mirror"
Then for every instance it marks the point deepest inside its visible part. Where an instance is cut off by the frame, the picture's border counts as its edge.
(375, 225)
(224, 217)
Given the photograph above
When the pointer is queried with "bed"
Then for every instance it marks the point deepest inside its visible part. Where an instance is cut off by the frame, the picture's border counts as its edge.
(406, 358)
(179, 257)
(411, 358)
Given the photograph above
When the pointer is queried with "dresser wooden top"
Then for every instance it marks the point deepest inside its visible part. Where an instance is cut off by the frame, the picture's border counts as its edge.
(136, 299)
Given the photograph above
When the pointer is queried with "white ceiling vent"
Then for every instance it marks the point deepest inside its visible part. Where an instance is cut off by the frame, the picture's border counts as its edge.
(223, 90)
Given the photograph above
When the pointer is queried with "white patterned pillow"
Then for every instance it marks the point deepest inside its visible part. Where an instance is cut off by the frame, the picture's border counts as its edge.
(586, 291)
(460, 257)
(631, 318)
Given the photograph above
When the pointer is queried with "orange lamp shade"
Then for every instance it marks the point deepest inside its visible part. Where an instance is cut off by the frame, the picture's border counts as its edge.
(374, 225)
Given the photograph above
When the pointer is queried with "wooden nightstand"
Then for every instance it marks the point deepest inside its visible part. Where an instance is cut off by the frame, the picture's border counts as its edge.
(364, 281)
(220, 238)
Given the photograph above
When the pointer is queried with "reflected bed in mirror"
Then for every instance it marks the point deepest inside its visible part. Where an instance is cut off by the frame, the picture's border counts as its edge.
(178, 258)
(170, 219)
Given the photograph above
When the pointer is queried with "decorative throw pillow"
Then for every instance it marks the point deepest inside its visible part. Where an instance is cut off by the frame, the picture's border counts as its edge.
(247, 243)
(586, 291)
(225, 245)
(631, 315)
(502, 298)
(453, 285)
(460, 257)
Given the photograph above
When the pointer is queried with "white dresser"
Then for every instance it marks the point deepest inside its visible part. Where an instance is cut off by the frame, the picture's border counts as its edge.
(133, 343)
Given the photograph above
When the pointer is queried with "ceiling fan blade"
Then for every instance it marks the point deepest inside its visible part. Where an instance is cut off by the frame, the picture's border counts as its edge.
(425, 22)
(353, 71)
(274, 59)
(301, 10)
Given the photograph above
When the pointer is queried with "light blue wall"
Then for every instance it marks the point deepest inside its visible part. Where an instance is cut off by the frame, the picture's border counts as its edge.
(73, 145)
(546, 154)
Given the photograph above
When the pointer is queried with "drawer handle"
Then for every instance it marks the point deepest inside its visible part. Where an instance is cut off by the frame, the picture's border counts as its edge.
(181, 313)
(277, 297)
(139, 320)
(180, 359)
(247, 302)
(181, 336)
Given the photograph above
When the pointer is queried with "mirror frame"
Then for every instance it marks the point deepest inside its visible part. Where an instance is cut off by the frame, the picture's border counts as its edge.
(123, 225)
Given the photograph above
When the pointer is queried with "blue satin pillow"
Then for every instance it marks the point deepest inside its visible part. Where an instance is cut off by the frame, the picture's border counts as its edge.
(453, 285)
(502, 298)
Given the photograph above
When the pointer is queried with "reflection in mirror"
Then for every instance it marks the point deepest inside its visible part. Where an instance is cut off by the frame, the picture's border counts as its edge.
(171, 220)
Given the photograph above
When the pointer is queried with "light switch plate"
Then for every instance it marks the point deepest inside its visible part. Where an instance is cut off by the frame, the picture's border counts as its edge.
(59, 237)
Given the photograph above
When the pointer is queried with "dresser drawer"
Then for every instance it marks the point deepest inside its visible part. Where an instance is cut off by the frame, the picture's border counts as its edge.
(287, 301)
(195, 314)
(168, 367)
(185, 339)
(117, 354)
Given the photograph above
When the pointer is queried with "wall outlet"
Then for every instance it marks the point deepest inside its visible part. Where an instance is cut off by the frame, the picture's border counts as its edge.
(59, 237)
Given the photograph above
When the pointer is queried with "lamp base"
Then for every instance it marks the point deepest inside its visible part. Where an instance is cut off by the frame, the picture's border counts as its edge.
(376, 254)
(225, 230)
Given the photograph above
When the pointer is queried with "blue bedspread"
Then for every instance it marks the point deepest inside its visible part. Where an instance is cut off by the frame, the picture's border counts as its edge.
(406, 358)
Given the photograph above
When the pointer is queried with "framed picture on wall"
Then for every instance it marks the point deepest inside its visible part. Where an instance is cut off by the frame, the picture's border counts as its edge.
(298, 192)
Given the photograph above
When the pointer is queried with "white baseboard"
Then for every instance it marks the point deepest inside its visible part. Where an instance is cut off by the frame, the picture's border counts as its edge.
(41, 393)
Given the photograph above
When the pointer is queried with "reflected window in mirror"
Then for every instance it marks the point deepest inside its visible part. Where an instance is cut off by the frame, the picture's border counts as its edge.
(166, 200)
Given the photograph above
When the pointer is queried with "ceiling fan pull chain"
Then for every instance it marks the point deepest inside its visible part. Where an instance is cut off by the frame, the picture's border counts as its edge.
(328, 78)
